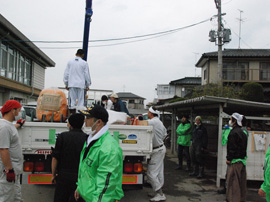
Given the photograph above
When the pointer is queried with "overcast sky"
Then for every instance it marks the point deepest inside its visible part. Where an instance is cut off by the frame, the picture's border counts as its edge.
(136, 67)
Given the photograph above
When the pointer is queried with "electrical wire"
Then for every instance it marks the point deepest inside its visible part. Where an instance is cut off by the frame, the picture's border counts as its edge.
(115, 44)
(119, 39)
(149, 36)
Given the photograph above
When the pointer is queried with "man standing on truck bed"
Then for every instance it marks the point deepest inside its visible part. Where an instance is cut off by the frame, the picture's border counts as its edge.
(76, 79)
(101, 161)
(66, 159)
(155, 171)
(11, 158)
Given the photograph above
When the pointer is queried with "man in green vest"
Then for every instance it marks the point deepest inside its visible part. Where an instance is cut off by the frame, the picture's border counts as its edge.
(265, 187)
(101, 161)
(184, 132)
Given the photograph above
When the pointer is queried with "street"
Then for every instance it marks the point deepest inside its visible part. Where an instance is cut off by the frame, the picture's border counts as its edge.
(178, 187)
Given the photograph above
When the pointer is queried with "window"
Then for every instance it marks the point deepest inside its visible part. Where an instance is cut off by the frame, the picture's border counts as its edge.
(11, 64)
(265, 71)
(4, 60)
(131, 101)
(27, 79)
(235, 71)
(14, 65)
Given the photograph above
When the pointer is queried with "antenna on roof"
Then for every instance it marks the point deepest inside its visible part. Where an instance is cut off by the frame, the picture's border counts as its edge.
(240, 23)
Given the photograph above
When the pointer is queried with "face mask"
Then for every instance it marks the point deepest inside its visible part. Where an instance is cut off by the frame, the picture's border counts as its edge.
(87, 130)
(230, 123)
(104, 102)
(90, 130)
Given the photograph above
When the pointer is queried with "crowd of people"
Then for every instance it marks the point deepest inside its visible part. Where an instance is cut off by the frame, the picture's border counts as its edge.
(89, 167)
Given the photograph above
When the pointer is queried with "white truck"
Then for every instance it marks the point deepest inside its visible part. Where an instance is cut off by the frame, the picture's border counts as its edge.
(38, 138)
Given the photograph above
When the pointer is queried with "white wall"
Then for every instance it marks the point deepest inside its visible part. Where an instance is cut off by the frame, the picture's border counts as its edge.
(38, 76)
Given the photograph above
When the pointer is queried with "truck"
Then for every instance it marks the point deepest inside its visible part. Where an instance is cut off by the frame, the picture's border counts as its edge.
(38, 139)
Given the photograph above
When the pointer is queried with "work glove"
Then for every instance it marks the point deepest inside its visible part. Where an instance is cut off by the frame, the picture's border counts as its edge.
(10, 175)
(21, 122)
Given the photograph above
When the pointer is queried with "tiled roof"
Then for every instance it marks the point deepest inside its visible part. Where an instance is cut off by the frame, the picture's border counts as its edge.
(122, 95)
(235, 53)
(187, 81)
(240, 53)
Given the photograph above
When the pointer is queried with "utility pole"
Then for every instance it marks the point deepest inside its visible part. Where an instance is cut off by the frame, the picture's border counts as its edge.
(220, 35)
(223, 36)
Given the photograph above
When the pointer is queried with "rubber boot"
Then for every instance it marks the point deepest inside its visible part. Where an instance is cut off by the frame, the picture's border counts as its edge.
(180, 166)
(195, 171)
(201, 172)
(188, 168)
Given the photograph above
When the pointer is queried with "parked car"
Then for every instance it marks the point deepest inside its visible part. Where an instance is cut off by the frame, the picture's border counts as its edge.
(30, 113)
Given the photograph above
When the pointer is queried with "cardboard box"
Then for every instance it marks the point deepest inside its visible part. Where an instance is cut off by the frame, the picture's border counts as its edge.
(142, 123)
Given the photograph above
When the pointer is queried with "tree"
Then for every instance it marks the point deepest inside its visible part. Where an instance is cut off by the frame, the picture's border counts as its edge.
(252, 92)
(211, 89)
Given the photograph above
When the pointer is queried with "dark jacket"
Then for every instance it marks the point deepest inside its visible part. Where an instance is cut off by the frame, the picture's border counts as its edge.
(67, 150)
(237, 144)
(199, 137)
(119, 106)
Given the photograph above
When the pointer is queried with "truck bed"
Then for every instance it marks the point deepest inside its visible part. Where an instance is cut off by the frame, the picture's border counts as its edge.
(39, 137)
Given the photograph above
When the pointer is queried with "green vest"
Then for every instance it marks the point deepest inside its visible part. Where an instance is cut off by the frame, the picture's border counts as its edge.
(184, 134)
(266, 184)
(100, 173)
(225, 134)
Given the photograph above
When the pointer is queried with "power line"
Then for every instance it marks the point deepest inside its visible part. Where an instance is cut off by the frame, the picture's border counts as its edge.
(106, 45)
(118, 39)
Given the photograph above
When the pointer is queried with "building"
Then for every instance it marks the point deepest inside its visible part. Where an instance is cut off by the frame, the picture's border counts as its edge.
(185, 86)
(177, 88)
(239, 66)
(133, 101)
(22, 65)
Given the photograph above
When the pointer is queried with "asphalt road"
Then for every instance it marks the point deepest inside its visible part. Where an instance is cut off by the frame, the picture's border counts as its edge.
(178, 187)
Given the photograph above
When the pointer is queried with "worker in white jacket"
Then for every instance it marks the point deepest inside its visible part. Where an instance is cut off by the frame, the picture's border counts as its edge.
(155, 171)
(77, 79)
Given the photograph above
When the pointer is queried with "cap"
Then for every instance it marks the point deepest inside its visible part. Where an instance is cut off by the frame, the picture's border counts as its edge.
(9, 105)
(114, 95)
(238, 118)
(76, 120)
(97, 112)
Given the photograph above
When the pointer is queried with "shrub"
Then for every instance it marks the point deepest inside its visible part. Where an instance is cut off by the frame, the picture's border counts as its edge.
(252, 92)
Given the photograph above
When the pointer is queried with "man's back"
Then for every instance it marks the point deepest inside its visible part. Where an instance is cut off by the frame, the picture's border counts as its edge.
(159, 130)
(67, 150)
(77, 74)
(237, 144)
